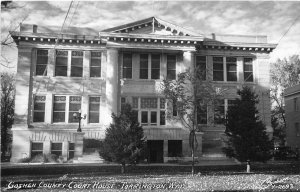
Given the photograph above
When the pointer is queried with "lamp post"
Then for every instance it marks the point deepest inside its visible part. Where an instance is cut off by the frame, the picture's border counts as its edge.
(79, 119)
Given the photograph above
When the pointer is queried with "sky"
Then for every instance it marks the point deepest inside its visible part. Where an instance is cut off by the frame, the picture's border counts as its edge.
(279, 20)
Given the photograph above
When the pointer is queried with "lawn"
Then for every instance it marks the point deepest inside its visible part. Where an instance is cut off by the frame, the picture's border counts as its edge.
(283, 177)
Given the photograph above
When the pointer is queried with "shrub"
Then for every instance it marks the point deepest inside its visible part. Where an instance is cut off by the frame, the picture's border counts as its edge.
(124, 139)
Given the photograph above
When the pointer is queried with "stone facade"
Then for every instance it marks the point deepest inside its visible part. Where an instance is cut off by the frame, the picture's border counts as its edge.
(126, 64)
(292, 114)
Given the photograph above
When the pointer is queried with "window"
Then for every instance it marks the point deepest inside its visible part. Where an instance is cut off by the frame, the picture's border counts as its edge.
(144, 118)
(297, 129)
(144, 66)
(219, 115)
(162, 118)
(127, 65)
(59, 108)
(148, 111)
(77, 64)
(36, 149)
(218, 70)
(153, 118)
(41, 62)
(61, 67)
(94, 109)
(248, 69)
(231, 68)
(74, 107)
(95, 65)
(155, 66)
(162, 111)
(202, 113)
(171, 67)
(150, 103)
(201, 66)
(39, 109)
(71, 150)
(56, 149)
(174, 148)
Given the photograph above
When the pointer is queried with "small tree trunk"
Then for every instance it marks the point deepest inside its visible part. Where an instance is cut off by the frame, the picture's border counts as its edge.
(123, 168)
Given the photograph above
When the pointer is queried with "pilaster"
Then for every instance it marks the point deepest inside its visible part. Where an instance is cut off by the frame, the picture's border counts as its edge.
(23, 96)
(48, 108)
(240, 69)
(78, 144)
(51, 63)
(188, 61)
(112, 80)
(86, 64)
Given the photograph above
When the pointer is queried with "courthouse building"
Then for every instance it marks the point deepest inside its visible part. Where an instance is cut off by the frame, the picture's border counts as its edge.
(292, 116)
(83, 69)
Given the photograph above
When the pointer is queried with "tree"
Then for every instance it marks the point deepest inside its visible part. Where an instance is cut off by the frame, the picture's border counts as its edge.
(7, 110)
(189, 93)
(124, 139)
(10, 24)
(247, 137)
(285, 73)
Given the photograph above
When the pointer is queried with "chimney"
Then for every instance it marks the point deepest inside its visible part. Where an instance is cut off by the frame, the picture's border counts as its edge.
(213, 36)
(34, 28)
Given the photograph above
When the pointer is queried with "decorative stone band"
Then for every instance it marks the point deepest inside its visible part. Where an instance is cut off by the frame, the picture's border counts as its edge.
(55, 38)
(199, 42)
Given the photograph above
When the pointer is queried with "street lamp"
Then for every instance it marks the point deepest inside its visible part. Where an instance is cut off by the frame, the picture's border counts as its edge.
(79, 119)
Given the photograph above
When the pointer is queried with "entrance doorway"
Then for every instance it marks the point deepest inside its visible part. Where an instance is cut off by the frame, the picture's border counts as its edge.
(155, 151)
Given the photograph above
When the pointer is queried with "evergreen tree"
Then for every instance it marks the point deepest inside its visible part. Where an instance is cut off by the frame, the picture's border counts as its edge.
(124, 139)
(247, 137)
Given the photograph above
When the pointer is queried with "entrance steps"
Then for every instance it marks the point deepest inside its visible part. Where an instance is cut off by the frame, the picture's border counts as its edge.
(91, 157)
(217, 159)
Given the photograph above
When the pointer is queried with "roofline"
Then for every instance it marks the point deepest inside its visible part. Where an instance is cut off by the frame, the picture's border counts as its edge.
(127, 25)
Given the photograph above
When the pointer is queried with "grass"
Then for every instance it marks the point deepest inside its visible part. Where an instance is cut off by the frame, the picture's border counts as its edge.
(265, 177)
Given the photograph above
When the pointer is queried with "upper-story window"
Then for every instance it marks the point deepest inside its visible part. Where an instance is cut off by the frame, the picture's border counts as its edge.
(127, 65)
(248, 69)
(149, 111)
(95, 65)
(94, 109)
(39, 108)
(218, 69)
(155, 66)
(201, 66)
(61, 65)
(231, 68)
(144, 66)
(74, 107)
(41, 62)
(77, 64)
(64, 107)
(171, 67)
(59, 109)
(153, 71)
